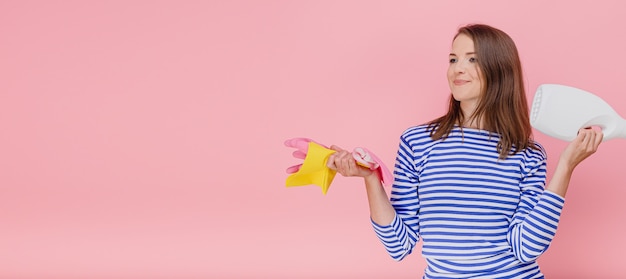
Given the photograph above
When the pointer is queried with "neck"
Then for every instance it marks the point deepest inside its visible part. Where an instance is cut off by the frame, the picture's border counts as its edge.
(472, 123)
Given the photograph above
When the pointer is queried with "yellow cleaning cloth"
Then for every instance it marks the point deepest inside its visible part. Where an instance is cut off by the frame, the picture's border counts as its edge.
(314, 169)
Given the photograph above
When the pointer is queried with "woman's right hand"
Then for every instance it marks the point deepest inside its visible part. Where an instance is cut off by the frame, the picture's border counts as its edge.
(343, 162)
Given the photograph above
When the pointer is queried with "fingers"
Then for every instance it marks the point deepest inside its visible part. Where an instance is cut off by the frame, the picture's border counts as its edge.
(301, 144)
(294, 169)
(336, 148)
(584, 145)
(299, 154)
(344, 163)
(339, 160)
(585, 136)
(333, 157)
(591, 139)
(334, 160)
(599, 138)
(352, 167)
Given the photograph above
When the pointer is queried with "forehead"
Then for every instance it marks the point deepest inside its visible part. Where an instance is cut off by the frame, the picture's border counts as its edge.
(462, 44)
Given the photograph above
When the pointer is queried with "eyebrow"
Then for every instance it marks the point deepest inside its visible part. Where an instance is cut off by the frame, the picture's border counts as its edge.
(467, 53)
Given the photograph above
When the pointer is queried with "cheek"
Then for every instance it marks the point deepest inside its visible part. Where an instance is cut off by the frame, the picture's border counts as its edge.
(450, 74)
(450, 77)
(477, 73)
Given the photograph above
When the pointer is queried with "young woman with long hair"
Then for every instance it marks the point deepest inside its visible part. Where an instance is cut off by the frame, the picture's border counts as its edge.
(471, 184)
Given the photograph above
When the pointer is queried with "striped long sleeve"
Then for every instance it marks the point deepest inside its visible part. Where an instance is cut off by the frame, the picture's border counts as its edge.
(477, 215)
(401, 236)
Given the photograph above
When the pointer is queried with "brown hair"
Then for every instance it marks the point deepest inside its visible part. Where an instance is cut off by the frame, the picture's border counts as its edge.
(502, 108)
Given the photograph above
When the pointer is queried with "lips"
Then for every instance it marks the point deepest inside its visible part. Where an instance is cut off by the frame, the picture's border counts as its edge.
(460, 82)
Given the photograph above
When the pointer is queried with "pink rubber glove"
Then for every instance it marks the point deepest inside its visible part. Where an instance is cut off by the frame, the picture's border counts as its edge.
(369, 159)
(302, 147)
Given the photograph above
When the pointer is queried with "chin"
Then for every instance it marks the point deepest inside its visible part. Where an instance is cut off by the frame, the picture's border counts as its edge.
(464, 96)
(458, 97)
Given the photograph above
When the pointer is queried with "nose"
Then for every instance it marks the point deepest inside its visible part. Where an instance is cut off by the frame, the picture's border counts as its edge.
(460, 66)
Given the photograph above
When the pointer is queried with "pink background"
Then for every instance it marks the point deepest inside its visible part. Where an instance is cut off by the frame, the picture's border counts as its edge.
(143, 139)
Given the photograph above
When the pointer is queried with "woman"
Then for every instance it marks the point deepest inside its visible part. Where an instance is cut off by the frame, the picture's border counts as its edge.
(471, 184)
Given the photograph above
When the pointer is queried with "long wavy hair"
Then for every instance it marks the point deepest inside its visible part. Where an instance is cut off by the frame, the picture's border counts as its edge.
(502, 107)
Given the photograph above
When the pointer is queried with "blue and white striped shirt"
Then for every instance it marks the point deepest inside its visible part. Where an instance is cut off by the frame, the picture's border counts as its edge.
(478, 216)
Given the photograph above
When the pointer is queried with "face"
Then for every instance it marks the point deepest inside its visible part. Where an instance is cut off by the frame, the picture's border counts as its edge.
(463, 73)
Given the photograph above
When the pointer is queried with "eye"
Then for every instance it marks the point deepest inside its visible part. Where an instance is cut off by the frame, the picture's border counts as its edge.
(452, 60)
(472, 59)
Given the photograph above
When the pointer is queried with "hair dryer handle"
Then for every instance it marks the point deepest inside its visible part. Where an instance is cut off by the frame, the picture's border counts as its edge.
(613, 126)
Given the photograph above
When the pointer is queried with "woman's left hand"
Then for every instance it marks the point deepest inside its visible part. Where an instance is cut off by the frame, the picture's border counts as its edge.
(584, 145)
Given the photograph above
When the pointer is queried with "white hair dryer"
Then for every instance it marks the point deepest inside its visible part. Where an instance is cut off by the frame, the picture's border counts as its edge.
(560, 111)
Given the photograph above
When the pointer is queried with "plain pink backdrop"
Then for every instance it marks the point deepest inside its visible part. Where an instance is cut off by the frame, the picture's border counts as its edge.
(143, 139)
